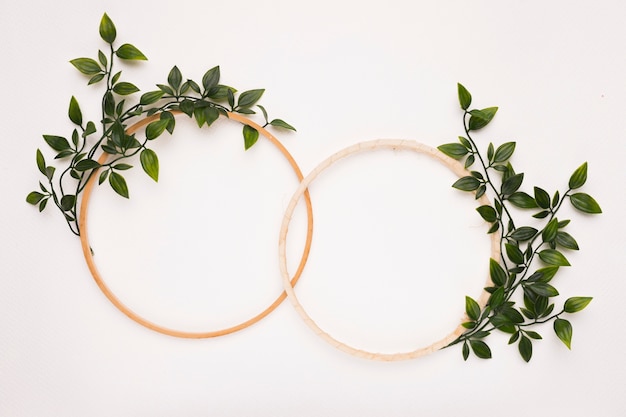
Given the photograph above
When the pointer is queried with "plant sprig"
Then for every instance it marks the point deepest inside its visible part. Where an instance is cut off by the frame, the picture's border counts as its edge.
(522, 246)
(205, 102)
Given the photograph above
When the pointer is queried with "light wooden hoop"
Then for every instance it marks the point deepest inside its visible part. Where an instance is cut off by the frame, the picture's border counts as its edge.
(84, 239)
(454, 165)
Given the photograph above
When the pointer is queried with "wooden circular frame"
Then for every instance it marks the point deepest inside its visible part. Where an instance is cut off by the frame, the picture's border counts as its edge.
(453, 165)
(84, 239)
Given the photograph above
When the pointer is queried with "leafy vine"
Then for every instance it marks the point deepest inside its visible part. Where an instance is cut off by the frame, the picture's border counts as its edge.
(205, 102)
(521, 245)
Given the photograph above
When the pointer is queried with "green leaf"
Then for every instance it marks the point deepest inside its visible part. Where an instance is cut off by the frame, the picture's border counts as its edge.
(87, 66)
(547, 273)
(497, 273)
(563, 330)
(122, 167)
(465, 98)
(585, 203)
(74, 112)
(466, 350)
(186, 106)
(512, 184)
(504, 152)
(542, 198)
(250, 136)
(156, 128)
(86, 165)
(556, 198)
(542, 214)
(125, 88)
(513, 315)
(525, 348)
(194, 86)
(522, 200)
(514, 253)
(109, 103)
(468, 183)
(118, 183)
(220, 92)
(579, 177)
(42, 204)
(469, 161)
(50, 172)
(107, 29)
(41, 162)
(453, 150)
(488, 213)
(523, 233)
(67, 202)
(150, 163)
(264, 113)
(166, 89)
(497, 298)
(543, 289)
(549, 232)
(128, 51)
(175, 78)
(533, 335)
(90, 129)
(576, 304)
(553, 257)
(96, 79)
(211, 114)
(472, 308)
(171, 121)
(102, 58)
(34, 198)
(480, 349)
(249, 98)
(211, 78)
(282, 123)
(566, 240)
(481, 118)
(490, 152)
(57, 142)
(150, 97)
(103, 176)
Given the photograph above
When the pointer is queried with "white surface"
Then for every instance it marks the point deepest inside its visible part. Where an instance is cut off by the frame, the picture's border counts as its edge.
(341, 72)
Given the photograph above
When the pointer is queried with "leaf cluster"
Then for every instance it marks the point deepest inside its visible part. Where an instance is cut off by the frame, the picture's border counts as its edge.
(205, 101)
(522, 246)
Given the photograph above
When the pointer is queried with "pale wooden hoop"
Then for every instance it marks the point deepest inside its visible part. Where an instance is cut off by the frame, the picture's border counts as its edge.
(454, 165)
(84, 240)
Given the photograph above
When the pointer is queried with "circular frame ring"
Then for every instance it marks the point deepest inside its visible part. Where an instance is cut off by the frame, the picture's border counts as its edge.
(84, 240)
(393, 144)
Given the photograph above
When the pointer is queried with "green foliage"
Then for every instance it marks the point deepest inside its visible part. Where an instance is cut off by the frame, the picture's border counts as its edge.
(521, 246)
(203, 101)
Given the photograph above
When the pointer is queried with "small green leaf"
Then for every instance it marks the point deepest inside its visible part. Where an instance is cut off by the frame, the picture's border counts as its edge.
(250, 136)
(103, 176)
(57, 142)
(150, 97)
(466, 350)
(74, 112)
(468, 183)
(107, 29)
(42, 204)
(96, 79)
(156, 128)
(472, 308)
(542, 198)
(556, 198)
(566, 240)
(522, 200)
(41, 162)
(576, 304)
(122, 167)
(553, 257)
(480, 349)
(87, 66)
(34, 198)
(512, 184)
(220, 92)
(585, 203)
(102, 58)
(171, 121)
(264, 113)
(50, 172)
(67, 202)
(453, 150)
(549, 232)
(514, 253)
(118, 183)
(465, 98)
(523, 233)
(488, 213)
(109, 103)
(86, 165)
(175, 78)
(563, 330)
(504, 152)
(166, 89)
(497, 298)
(579, 177)
(211, 114)
(533, 335)
(90, 129)
(186, 106)
(481, 118)
(525, 348)
(543, 289)
(125, 88)
(547, 273)
(150, 163)
(469, 161)
(211, 78)
(128, 51)
(249, 98)
(542, 214)
(490, 152)
(497, 273)
(282, 123)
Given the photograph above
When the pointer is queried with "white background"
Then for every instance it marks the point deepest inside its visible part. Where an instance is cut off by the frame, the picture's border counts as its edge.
(395, 248)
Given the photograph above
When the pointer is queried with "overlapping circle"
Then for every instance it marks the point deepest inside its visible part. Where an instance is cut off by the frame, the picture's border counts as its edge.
(289, 281)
